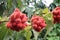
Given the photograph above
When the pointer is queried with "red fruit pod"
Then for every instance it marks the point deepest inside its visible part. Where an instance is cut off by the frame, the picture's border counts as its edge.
(16, 28)
(43, 26)
(12, 28)
(24, 18)
(56, 14)
(38, 29)
(34, 26)
(18, 20)
(12, 17)
(17, 10)
(21, 26)
(17, 15)
(8, 25)
(38, 23)
(25, 24)
(34, 22)
(57, 8)
(14, 24)
(34, 18)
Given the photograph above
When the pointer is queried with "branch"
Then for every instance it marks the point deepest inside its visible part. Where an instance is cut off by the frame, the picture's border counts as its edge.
(3, 21)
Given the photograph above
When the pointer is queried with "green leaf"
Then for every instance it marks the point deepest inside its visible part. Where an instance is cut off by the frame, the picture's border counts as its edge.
(29, 11)
(28, 35)
(19, 4)
(9, 4)
(47, 15)
(57, 2)
(28, 32)
(53, 38)
(8, 35)
(27, 28)
(3, 31)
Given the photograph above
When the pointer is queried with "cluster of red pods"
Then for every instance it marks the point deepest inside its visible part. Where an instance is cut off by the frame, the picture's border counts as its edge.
(56, 15)
(38, 23)
(18, 20)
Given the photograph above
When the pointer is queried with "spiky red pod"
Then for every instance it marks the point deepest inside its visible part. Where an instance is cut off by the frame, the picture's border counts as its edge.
(38, 23)
(56, 15)
(17, 20)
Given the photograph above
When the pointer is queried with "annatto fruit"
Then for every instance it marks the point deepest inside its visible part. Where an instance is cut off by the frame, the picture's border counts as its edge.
(17, 20)
(56, 15)
(38, 23)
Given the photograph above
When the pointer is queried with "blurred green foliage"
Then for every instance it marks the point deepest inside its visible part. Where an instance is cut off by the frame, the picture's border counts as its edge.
(29, 7)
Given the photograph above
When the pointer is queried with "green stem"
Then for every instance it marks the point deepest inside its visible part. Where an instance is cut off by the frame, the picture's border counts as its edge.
(35, 35)
(48, 30)
(28, 35)
(3, 21)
